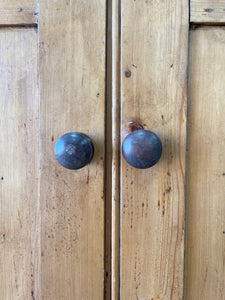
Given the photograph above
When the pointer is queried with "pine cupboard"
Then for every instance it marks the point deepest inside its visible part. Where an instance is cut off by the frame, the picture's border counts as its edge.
(108, 230)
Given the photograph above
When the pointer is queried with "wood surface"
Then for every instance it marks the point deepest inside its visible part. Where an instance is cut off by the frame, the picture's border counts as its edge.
(112, 182)
(207, 11)
(154, 73)
(206, 166)
(19, 170)
(59, 239)
(115, 199)
(13, 12)
(72, 94)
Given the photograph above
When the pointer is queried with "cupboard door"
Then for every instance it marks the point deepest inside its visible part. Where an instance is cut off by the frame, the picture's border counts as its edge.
(60, 236)
(154, 48)
(52, 82)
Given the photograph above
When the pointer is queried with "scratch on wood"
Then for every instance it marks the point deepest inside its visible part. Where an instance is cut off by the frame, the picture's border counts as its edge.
(88, 177)
(19, 218)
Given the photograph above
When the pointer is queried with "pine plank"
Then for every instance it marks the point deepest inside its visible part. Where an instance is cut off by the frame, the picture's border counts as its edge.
(19, 167)
(13, 12)
(72, 93)
(154, 47)
(206, 170)
(207, 11)
(115, 199)
(113, 151)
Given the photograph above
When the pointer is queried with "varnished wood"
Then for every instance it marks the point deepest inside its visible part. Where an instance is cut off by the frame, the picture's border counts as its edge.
(13, 12)
(206, 166)
(109, 163)
(154, 71)
(207, 11)
(19, 167)
(115, 199)
(72, 94)
(113, 151)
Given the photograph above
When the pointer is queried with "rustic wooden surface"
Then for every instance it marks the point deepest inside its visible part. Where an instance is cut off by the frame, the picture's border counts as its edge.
(154, 70)
(19, 170)
(115, 235)
(206, 166)
(113, 151)
(13, 12)
(72, 93)
(207, 11)
(52, 219)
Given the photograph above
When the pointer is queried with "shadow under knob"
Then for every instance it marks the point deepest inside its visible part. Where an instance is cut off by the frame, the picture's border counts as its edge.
(74, 150)
(142, 149)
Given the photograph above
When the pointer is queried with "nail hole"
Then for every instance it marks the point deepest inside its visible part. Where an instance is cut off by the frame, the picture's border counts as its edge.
(127, 73)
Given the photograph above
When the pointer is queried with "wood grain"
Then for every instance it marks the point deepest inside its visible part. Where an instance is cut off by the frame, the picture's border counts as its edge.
(19, 167)
(13, 12)
(154, 70)
(206, 166)
(113, 151)
(207, 11)
(115, 200)
(72, 93)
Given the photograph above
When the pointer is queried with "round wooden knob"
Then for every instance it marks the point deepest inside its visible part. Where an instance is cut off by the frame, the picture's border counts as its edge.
(142, 149)
(74, 150)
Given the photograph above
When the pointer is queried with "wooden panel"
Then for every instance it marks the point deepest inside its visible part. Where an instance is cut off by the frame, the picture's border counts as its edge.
(13, 12)
(113, 151)
(19, 174)
(72, 83)
(154, 71)
(115, 126)
(206, 166)
(207, 11)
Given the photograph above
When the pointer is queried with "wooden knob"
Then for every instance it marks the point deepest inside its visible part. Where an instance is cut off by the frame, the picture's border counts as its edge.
(74, 150)
(142, 149)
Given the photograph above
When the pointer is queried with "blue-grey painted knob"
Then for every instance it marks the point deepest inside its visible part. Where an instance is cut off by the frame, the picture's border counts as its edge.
(142, 149)
(74, 150)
